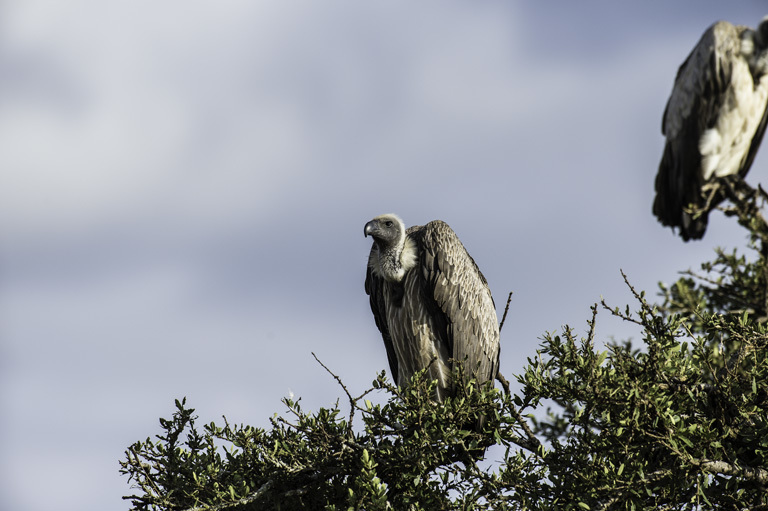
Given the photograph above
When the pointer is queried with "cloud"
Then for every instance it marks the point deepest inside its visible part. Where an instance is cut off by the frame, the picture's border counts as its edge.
(140, 112)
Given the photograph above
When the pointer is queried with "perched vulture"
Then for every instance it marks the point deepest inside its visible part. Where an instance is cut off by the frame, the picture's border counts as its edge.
(430, 302)
(714, 122)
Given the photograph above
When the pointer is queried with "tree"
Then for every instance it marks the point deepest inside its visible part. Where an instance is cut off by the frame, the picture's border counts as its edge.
(679, 422)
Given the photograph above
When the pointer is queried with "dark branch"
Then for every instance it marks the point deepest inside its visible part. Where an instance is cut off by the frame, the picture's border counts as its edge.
(506, 309)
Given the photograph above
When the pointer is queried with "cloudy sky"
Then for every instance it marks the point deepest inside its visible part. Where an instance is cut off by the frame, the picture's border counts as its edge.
(183, 189)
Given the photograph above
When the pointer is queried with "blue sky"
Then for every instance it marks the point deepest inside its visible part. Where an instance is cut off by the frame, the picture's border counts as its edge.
(184, 187)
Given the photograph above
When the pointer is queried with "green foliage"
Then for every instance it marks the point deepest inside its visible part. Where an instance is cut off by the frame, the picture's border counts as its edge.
(410, 454)
(733, 283)
(679, 422)
(668, 426)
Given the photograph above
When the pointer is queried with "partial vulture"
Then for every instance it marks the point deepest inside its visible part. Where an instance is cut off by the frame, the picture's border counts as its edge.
(714, 122)
(431, 303)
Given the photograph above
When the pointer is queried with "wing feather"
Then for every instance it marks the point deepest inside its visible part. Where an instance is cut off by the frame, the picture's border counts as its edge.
(458, 294)
(756, 140)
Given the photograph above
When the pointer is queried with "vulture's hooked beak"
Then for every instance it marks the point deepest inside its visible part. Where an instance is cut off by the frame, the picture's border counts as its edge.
(371, 228)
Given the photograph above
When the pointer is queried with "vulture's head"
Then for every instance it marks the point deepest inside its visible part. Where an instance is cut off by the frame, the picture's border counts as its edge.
(392, 255)
(386, 230)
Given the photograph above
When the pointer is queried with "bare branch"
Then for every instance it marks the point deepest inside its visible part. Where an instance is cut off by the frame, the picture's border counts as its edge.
(759, 475)
(504, 382)
(352, 401)
(506, 309)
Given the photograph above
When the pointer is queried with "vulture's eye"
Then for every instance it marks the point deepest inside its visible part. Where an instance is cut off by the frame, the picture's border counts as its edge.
(388, 223)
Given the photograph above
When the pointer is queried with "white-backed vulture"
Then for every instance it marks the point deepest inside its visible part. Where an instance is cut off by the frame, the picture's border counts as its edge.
(714, 121)
(430, 302)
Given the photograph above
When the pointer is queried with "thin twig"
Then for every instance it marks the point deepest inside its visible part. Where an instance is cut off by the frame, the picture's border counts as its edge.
(533, 441)
(591, 323)
(506, 309)
(346, 391)
(632, 288)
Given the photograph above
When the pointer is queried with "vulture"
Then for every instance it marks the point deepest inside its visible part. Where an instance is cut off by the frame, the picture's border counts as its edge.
(431, 303)
(713, 123)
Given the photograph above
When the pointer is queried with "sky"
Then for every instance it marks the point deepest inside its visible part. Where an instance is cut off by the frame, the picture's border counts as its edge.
(184, 185)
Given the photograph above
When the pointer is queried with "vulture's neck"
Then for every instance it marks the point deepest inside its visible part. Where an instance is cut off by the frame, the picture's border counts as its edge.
(393, 261)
